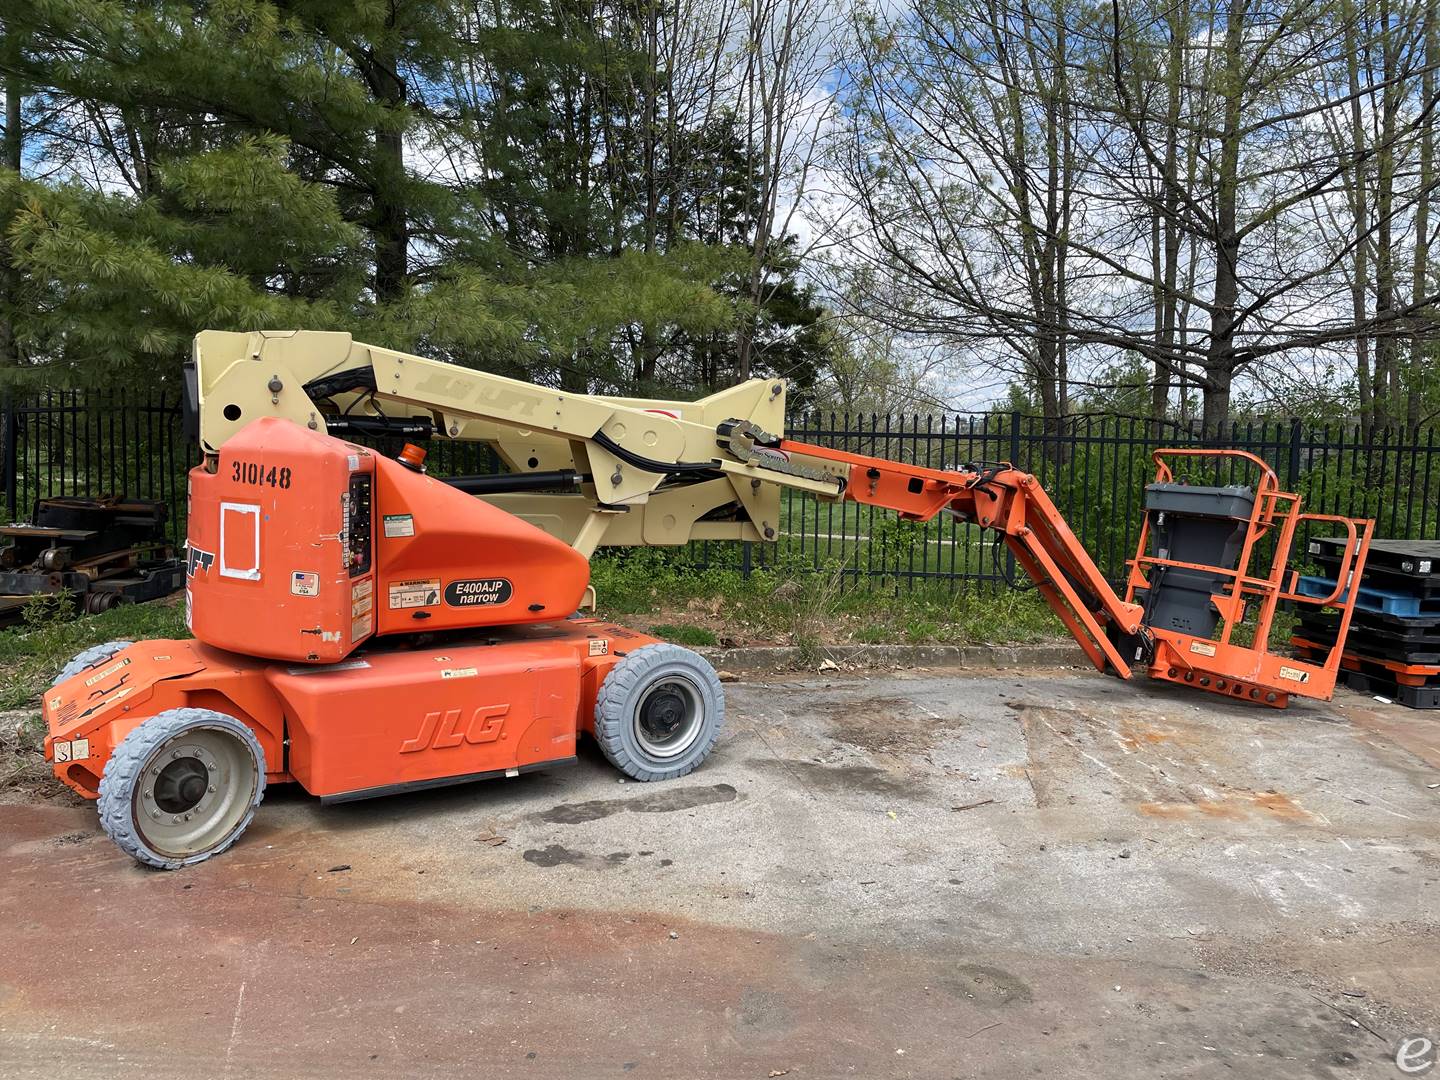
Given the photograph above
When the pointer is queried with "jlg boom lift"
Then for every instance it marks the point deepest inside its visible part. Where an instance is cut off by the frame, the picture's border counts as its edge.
(361, 627)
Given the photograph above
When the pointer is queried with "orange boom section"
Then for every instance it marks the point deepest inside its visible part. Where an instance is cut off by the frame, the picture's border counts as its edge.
(1183, 618)
(302, 546)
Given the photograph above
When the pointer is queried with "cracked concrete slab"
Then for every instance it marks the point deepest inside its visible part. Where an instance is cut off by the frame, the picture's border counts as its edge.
(910, 875)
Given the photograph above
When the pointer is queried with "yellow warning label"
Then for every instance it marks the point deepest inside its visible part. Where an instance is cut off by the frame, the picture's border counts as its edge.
(410, 594)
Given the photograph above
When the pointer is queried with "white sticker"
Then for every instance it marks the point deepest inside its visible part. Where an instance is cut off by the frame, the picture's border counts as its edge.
(1204, 648)
(459, 673)
(62, 750)
(305, 583)
(362, 589)
(1424, 566)
(360, 627)
(352, 461)
(103, 675)
(599, 646)
(361, 607)
(79, 749)
(1294, 674)
(234, 530)
(412, 594)
(399, 525)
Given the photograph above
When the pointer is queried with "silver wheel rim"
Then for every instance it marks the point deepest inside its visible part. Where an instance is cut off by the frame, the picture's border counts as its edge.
(669, 717)
(194, 792)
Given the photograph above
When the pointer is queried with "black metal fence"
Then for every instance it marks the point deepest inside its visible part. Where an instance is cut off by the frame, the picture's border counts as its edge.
(1095, 468)
(90, 444)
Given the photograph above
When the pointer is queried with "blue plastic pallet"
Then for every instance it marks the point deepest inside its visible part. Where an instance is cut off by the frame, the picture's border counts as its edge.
(1382, 601)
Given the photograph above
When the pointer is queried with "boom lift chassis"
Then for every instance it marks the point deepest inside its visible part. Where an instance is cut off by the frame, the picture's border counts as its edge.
(362, 627)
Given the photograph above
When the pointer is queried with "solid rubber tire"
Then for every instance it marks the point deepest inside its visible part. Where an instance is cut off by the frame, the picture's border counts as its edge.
(91, 657)
(123, 771)
(621, 693)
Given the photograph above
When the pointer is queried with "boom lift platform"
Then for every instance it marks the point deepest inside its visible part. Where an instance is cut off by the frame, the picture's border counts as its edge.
(362, 628)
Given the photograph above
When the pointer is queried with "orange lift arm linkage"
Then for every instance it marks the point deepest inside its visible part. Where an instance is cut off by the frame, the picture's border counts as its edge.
(1015, 505)
(1113, 631)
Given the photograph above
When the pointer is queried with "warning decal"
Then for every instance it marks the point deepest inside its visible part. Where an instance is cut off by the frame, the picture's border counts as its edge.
(412, 594)
(399, 525)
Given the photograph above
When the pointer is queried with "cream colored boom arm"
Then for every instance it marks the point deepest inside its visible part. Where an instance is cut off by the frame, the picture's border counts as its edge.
(634, 451)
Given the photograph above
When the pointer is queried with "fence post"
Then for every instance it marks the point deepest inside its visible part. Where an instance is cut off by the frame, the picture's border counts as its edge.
(746, 556)
(1293, 472)
(1014, 461)
(10, 465)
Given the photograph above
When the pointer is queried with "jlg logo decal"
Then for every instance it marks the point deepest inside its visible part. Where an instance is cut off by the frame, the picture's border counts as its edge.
(440, 731)
(199, 562)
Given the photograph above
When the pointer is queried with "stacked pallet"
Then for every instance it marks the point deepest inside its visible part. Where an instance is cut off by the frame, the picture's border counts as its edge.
(1393, 648)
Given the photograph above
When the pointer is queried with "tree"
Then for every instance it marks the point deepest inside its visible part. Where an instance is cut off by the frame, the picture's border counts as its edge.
(963, 158)
(1057, 184)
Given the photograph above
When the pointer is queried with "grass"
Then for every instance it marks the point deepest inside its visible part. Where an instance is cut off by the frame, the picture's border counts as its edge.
(696, 608)
(807, 609)
(32, 653)
(685, 635)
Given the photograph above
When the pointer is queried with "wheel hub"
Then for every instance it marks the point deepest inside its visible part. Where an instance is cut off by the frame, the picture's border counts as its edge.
(663, 713)
(195, 791)
(669, 717)
(181, 785)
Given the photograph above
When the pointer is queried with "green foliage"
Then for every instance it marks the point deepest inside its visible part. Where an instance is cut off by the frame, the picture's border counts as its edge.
(685, 635)
(33, 653)
(115, 282)
(798, 605)
(489, 186)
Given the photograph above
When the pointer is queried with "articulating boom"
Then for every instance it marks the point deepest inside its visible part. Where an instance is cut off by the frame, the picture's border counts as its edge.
(592, 470)
(362, 627)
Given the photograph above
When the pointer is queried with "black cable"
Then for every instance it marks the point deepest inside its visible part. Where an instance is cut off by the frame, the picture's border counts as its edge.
(644, 464)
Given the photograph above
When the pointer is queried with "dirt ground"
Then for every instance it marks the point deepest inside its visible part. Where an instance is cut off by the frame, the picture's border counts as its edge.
(903, 876)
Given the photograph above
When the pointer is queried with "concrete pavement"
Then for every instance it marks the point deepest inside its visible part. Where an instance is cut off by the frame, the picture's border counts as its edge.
(900, 876)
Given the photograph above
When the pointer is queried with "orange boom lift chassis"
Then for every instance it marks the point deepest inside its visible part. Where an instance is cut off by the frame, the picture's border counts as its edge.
(361, 627)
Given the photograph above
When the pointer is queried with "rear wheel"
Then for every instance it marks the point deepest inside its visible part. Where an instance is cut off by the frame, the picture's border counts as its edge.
(182, 787)
(659, 712)
(92, 657)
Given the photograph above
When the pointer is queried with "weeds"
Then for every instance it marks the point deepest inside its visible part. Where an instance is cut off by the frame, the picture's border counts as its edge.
(31, 654)
(807, 608)
(685, 635)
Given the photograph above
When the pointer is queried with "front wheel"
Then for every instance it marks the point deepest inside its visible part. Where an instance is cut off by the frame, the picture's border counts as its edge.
(182, 787)
(659, 712)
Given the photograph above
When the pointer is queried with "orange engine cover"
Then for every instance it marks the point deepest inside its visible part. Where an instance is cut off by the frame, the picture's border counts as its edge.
(394, 719)
(301, 546)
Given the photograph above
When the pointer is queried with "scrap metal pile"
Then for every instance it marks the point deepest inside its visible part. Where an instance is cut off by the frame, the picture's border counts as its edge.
(101, 552)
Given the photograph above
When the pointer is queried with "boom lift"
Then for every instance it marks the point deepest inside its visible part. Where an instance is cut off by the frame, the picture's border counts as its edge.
(361, 627)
